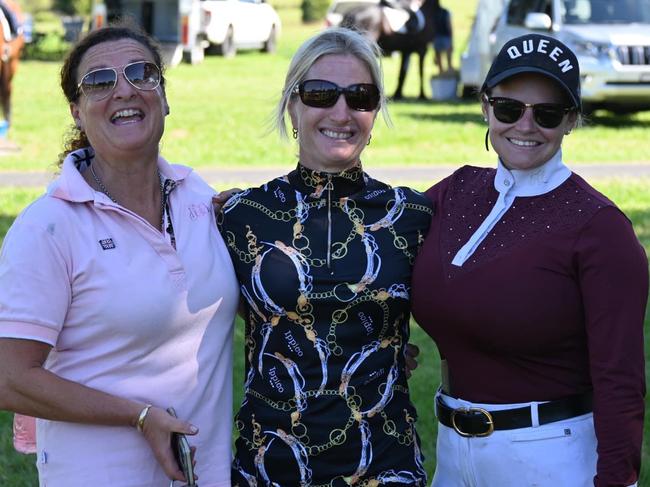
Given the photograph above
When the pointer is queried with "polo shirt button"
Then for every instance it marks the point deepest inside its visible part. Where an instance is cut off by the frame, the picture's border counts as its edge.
(507, 182)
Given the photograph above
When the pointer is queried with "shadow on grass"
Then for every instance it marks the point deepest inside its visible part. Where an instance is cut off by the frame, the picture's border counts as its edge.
(34, 54)
(611, 120)
(459, 111)
(460, 118)
(458, 102)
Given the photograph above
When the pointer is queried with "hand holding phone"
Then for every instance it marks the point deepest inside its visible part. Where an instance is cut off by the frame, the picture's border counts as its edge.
(183, 454)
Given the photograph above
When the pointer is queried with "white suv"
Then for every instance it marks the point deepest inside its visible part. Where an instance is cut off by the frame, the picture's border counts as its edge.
(611, 39)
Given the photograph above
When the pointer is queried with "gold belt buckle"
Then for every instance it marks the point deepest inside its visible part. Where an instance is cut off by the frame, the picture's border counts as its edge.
(490, 421)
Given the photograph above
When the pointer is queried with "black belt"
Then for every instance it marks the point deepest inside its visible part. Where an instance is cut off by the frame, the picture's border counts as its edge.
(480, 422)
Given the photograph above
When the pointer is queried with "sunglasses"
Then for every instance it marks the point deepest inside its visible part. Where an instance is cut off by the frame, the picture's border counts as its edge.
(546, 115)
(99, 83)
(318, 93)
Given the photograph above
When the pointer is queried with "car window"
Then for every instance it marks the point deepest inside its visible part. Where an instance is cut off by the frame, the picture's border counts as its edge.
(605, 11)
(518, 9)
(576, 11)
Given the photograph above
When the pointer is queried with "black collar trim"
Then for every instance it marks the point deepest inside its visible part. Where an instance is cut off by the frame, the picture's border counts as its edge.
(312, 182)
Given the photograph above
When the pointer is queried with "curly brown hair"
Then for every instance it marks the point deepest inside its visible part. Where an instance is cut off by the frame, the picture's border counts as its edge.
(124, 29)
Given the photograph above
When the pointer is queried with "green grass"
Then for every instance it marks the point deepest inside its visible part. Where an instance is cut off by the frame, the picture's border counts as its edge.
(16, 470)
(633, 196)
(219, 111)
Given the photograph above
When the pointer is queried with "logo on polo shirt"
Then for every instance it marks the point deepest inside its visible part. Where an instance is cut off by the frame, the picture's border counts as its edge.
(107, 243)
(196, 211)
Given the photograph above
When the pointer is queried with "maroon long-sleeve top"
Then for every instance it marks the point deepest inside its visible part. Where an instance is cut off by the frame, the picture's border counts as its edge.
(550, 304)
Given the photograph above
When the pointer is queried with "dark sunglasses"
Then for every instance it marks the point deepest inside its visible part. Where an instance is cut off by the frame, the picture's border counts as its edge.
(99, 83)
(546, 115)
(318, 93)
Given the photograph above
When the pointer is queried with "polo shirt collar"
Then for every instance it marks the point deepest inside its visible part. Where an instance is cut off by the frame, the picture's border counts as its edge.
(71, 186)
(512, 183)
(532, 182)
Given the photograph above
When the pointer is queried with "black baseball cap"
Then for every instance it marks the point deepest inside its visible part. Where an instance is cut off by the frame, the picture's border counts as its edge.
(536, 53)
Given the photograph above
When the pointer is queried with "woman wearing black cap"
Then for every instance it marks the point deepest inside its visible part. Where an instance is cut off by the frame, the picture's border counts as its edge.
(534, 286)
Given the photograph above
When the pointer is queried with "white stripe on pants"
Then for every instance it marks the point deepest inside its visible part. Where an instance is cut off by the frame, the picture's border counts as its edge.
(559, 454)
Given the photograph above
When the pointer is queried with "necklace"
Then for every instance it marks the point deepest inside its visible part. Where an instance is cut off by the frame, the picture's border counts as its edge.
(101, 185)
(106, 192)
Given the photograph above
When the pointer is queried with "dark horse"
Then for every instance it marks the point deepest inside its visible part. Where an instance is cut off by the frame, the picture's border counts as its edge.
(12, 41)
(370, 20)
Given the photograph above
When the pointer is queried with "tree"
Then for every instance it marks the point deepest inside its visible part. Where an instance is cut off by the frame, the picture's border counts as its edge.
(73, 7)
(313, 9)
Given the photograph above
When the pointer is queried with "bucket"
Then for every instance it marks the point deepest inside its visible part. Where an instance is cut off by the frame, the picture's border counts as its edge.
(4, 129)
(443, 87)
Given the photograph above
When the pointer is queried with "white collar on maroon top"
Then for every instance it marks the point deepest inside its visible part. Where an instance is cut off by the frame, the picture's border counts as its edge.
(510, 184)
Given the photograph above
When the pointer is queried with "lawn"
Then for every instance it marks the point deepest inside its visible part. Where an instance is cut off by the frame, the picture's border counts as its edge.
(633, 196)
(220, 111)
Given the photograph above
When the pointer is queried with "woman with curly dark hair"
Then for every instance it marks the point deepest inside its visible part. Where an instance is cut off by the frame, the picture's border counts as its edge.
(117, 294)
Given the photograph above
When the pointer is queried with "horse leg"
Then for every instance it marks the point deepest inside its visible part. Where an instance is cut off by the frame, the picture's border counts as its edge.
(5, 90)
(423, 56)
(422, 53)
(438, 57)
(7, 72)
(403, 69)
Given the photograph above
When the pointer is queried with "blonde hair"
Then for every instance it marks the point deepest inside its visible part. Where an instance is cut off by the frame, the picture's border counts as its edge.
(332, 41)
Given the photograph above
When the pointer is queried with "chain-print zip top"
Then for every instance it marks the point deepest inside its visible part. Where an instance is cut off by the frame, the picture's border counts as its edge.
(324, 262)
(347, 182)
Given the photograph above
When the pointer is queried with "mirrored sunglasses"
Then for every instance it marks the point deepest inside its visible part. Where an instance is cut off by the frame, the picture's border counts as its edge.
(99, 83)
(546, 115)
(318, 93)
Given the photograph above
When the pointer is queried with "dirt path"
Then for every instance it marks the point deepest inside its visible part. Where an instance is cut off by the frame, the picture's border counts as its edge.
(223, 178)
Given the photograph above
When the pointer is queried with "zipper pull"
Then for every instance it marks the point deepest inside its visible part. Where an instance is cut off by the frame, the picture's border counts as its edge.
(329, 187)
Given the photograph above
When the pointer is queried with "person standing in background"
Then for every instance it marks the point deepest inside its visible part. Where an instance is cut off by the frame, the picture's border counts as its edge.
(443, 44)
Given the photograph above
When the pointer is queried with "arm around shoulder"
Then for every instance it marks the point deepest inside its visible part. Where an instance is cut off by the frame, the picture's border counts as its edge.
(434, 192)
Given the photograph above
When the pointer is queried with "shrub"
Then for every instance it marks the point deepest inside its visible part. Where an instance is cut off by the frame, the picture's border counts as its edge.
(313, 9)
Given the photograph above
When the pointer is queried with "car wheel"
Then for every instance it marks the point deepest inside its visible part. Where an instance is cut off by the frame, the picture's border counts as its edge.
(468, 92)
(229, 49)
(196, 54)
(588, 109)
(271, 43)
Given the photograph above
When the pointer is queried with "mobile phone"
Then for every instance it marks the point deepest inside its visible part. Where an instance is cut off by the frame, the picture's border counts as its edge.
(182, 453)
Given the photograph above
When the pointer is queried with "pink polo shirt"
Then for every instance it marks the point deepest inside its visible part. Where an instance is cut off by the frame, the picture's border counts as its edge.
(127, 314)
